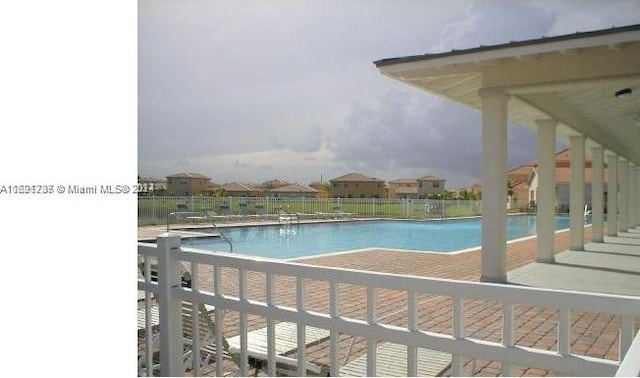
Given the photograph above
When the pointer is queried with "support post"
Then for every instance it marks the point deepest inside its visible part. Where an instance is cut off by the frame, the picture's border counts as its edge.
(623, 172)
(494, 187)
(636, 195)
(612, 195)
(597, 195)
(631, 219)
(545, 217)
(576, 196)
(169, 306)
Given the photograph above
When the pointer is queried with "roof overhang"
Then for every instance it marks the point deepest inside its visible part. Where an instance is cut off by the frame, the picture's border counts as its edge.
(572, 79)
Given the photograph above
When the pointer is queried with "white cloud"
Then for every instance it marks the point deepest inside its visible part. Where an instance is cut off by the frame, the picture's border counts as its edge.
(494, 22)
(270, 83)
(258, 166)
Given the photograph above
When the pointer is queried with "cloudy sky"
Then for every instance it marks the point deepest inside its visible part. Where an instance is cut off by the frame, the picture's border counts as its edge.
(254, 90)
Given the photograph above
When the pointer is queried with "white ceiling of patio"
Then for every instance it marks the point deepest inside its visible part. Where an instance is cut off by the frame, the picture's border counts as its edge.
(573, 79)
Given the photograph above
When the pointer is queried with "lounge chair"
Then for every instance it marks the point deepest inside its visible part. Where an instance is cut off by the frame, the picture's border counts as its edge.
(142, 317)
(339, 214)
(206, 328)
(392, 362)
(208, 348)
(243, 209)
(287, 216)
(285, 347)
(260, 212)
(224, 210)
(587, 214)
(286, 340)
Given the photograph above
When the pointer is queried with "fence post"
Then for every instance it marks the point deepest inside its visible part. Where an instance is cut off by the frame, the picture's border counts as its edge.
(153, 209)
(169, 305)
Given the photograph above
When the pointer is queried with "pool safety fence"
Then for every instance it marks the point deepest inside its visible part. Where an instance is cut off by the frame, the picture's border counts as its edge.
(154, 210)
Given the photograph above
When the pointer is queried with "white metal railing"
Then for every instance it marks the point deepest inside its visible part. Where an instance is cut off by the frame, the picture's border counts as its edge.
(170, 255)
(156, 210)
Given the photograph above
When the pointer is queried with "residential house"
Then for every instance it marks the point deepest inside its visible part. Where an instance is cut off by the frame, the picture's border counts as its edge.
(518, 180)
(523, 183)
(563, 181)
(323, 188)
(275, 183)
(403, 188)
(429, 185)
(238, 189)
(294, 191)
(356, 185)
(187, 184)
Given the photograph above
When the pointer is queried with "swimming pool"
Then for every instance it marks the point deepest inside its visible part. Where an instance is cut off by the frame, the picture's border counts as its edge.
(291, 241)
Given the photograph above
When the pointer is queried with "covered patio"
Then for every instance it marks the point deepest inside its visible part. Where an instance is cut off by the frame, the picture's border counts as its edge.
(582, 90)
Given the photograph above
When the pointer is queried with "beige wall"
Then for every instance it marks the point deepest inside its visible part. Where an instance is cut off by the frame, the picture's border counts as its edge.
(394, 186)
(355, 189)
(184, 186)
(430, 186)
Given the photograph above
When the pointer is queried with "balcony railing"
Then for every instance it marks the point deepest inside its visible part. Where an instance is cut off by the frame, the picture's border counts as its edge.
(243, 288)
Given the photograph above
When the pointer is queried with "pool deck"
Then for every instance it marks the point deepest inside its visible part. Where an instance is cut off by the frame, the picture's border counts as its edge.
(610, 267)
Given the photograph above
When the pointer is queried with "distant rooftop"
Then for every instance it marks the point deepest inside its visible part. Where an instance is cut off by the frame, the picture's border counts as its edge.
(356, 177)
(431, 178)
(294, 188)
(188, 175)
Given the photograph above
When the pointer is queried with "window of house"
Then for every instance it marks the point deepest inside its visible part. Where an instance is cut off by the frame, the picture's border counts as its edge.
(436, 184)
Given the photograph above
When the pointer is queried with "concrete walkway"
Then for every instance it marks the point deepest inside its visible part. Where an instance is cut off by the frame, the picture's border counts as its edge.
(612, 267)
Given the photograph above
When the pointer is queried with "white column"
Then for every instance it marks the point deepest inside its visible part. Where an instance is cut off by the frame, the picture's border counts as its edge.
(169, 305)
(612, 195)
(631, 220)
(576, 194)
(636, 195)
(494, 187)
(545, 218)
(597, 193)
(623, 172)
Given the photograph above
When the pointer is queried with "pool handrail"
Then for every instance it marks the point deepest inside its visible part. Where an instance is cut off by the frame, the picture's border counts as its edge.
(206, 215)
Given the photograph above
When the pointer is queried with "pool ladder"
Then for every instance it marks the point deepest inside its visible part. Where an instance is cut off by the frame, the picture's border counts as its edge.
(287, 216)
(193, 215)
(210, 215)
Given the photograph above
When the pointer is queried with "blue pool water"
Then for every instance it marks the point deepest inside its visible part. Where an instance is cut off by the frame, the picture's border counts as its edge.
(290, 241)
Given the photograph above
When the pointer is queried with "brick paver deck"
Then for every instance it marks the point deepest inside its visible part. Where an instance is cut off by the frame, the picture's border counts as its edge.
(592, 334)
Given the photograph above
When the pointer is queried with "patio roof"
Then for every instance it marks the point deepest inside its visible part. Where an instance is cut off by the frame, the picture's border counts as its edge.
(571, 78)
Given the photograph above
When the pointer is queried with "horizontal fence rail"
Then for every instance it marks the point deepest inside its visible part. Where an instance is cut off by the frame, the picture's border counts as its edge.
(331, 315)
(154, 210)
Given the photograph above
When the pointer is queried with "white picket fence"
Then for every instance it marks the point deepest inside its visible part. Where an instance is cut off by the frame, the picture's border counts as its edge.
(170, 256)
